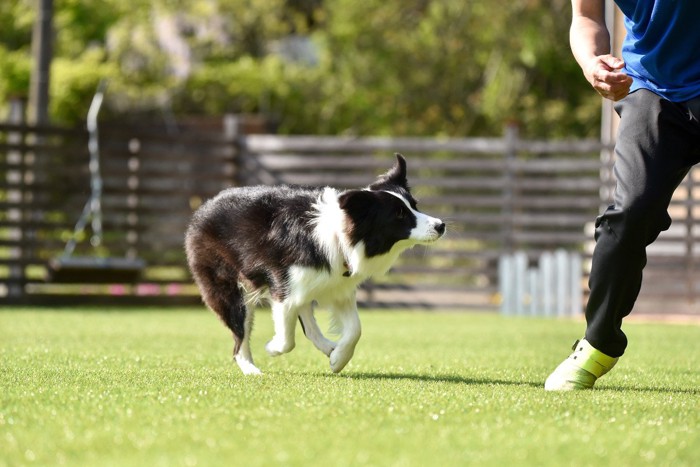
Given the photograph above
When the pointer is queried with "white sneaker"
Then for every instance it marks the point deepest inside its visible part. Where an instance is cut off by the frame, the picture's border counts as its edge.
(581, 370)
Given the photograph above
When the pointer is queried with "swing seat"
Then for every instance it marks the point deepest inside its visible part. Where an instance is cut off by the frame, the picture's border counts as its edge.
(93, 270)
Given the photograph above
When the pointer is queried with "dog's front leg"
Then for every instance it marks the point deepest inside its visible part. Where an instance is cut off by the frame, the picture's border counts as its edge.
(313, 332)
(345, 313)
(285, 321)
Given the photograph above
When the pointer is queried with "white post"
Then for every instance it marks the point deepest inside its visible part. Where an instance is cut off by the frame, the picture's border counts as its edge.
(506, 285)
(532, 295)
(547, 280)
(520, 272)
(576, 286)
(561, 272)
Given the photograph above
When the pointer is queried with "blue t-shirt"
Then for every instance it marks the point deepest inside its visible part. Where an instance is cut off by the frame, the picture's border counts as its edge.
(662, 47)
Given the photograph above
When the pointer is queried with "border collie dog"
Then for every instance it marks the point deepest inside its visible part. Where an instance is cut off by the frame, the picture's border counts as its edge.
(297, 248)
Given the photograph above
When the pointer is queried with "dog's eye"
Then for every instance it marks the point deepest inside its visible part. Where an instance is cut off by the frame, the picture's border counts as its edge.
(400, 213)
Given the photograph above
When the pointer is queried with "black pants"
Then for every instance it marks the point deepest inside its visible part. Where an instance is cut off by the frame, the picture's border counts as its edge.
(658, 142)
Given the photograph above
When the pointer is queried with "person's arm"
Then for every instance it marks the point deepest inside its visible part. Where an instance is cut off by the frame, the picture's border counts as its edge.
(590, 44)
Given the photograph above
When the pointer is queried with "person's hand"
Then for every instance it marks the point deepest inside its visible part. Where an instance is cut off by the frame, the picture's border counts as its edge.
(606, 76)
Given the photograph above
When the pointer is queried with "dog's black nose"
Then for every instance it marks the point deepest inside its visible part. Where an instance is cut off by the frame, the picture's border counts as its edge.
(440, 228)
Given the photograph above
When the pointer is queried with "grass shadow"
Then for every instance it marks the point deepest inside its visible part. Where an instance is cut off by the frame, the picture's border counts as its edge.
(453, 379)
(688, 391)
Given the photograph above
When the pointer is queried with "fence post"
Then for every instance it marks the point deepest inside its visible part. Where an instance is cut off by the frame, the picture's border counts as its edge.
(546, 265)
(232, 134)
(15, 176)
(511, 140)
(520, 267)
(576, 292)
(532, 294)
(506, 283)
(689, 240)
(133, 198)
(562, 272)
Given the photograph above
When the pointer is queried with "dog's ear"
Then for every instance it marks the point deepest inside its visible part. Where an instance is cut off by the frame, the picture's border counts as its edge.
(396, 176)
(356, 201)
(360, 207)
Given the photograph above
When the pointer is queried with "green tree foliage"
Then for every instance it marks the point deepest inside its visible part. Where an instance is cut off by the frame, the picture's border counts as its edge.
(15, 38)
(393, 67)
(457, 68)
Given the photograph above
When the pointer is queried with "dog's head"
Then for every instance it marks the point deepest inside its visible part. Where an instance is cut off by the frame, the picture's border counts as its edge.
(385, 214)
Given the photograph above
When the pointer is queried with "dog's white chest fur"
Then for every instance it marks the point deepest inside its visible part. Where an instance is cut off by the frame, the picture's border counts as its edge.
(324, 287)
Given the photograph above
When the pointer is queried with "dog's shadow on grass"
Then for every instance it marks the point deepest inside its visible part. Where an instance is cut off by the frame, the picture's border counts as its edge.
(455, 379)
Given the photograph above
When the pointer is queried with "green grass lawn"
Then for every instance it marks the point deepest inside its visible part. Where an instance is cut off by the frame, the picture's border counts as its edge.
(152, 387)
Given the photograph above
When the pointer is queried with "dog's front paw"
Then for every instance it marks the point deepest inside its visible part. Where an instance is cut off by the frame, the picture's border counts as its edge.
(276, 347)
(326, 346)
(340, 357)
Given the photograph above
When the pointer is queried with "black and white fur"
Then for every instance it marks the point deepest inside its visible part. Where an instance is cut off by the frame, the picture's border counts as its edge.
(301, 247)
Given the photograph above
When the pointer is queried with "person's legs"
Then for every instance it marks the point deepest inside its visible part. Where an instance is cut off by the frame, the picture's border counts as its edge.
(658, 142)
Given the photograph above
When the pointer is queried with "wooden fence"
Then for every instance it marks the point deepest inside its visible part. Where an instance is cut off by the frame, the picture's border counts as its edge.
(497, 195)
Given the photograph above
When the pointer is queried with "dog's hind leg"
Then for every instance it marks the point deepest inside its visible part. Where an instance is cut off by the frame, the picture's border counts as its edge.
(241, 351)
(312, 331)
(217, 281)
(285, 321)
(346, 317)
(231, 307)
